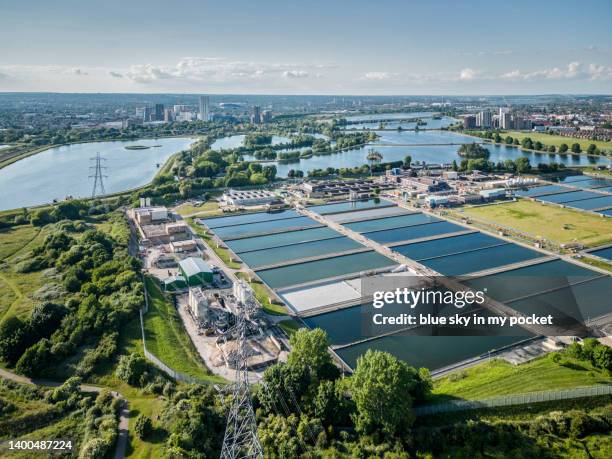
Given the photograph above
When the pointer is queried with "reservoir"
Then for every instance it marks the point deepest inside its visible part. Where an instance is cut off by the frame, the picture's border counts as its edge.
(281, 239)
(64, 171)
(433, 147)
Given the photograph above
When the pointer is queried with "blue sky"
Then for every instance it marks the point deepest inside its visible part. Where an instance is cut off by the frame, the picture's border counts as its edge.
(307, 47)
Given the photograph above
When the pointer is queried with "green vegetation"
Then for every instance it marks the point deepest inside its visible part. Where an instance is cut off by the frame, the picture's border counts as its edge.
(597, 263)
(289, 326)
(558, 140)
(499, 377)
(167, 339)
(206, 209)
(263, 295)
(37, 413)
(473, 151)
(562, 226)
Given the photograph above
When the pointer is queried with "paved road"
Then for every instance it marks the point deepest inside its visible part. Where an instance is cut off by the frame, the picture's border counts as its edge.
(124, 412)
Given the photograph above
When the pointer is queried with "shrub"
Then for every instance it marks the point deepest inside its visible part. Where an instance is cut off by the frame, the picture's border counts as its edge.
(143, 426)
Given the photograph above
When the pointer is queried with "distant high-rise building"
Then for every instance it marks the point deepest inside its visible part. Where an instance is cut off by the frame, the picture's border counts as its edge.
(168, 115)
(159, 112)
(484, 119)
(204, 110)
(256, 116)
(469, 121)
(266, 116)
(146, 114)
(505, 120)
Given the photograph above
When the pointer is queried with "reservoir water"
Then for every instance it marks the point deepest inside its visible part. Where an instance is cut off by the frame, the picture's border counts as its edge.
(281, 239)
(64, 171)
(321, 269)
(431, 147)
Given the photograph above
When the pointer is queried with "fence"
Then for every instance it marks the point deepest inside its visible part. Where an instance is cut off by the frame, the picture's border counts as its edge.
(517, 399)
(154, 359)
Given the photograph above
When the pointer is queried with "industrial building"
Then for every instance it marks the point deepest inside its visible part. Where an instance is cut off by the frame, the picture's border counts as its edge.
(174, 284)
(336, 188)
(196, 271)
(150, 215)
(187, 245)
(248, 198)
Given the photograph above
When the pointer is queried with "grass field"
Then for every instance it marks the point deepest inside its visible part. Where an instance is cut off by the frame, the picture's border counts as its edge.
(18, 289)
(499, 377)
(289, 326)
(597, 263)
(207, 209)
(167, 339)
(559, 225)
(557, 140)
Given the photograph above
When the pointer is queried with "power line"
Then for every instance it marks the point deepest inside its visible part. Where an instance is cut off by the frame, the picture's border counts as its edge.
(240, 440)
(98, 176)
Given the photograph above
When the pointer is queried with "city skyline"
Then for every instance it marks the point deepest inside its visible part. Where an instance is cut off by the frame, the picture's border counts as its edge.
(358, 48)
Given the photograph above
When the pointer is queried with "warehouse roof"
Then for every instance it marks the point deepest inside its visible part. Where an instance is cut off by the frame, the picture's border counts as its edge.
(193, 265)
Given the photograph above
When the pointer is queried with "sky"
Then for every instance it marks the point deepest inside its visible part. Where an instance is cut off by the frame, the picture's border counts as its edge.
(376, 47)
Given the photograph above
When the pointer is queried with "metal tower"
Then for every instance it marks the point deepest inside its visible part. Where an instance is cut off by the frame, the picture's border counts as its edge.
(98, 176)
(240, 440)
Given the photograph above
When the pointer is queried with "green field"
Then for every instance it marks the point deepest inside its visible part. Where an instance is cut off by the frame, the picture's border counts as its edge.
(167, 339)
(597, 263)
(289, 326)
(207, 209)
(19, 289)
(559, 225)
(557, 140)
(499, 377)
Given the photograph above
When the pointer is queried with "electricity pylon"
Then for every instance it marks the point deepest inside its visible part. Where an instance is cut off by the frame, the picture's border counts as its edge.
(98, 176)
(240, 440)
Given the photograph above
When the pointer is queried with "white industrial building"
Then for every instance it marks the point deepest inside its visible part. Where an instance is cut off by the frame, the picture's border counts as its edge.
(248, 198)
(198, 303)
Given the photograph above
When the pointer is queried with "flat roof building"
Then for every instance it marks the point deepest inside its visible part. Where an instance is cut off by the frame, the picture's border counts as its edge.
(248, 198)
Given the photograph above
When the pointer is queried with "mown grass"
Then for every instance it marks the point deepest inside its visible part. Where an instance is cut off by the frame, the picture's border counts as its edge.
(289, 326)
(559, 225)
(597, 263)
(262, 295)
(557, 140)
(167, 339)
(208, 209)
(499, 377)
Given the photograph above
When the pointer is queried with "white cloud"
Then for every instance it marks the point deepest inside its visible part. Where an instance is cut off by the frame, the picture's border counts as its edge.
(379, 76)
(468, 74)
(78, 71)
(115, 74)
(295, 74)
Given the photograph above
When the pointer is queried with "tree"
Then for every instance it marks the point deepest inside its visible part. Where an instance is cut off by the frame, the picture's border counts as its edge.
(473, 151)
(14, 339)
(592, 149)
(602, 357)
(407, 161)
(131, 368)
(381, 387)
(309, 348)
(563, 148)
(522, 165)
(143, 426)
(454, 165)
(258, 179)
(527, 143)
(576, 148)
(538, 145)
